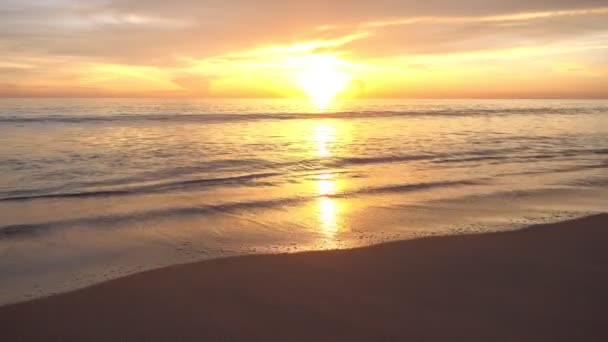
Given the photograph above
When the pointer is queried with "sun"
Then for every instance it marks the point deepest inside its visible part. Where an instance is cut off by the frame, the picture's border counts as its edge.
(320, 77)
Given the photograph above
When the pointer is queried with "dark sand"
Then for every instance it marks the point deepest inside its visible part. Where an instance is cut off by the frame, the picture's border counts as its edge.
(547, 283)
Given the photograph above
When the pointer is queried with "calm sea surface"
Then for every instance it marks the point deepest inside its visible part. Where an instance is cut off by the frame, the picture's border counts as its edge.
(94, 189)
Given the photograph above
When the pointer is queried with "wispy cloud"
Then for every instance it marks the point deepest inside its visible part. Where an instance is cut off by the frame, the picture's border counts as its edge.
(249, 48)
(524, 16)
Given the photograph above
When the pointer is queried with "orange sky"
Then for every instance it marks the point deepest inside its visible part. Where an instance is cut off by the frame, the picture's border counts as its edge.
(269, 48)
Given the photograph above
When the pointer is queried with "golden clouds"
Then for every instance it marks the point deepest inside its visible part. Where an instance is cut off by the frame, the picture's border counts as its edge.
(364, 49)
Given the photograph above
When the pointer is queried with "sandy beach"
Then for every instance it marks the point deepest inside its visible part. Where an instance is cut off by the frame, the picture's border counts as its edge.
(543, 283)
(304, 170)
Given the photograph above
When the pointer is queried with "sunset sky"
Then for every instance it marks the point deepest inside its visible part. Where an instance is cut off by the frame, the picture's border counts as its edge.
(277, 48)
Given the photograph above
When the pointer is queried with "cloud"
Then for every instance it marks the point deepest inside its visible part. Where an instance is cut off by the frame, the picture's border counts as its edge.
(201, 47)
(445, 35)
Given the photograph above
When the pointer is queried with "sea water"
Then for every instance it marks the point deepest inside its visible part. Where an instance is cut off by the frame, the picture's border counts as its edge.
(93, 189)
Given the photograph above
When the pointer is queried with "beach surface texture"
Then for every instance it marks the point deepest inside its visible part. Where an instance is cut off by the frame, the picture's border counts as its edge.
(544, 283)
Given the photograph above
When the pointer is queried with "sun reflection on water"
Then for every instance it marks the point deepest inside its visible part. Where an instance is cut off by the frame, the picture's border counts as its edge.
(326, 187)
(323, 136)
(328, 214)
(328, 209)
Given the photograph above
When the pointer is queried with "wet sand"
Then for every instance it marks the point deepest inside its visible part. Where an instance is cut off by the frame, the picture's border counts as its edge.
(545, 283)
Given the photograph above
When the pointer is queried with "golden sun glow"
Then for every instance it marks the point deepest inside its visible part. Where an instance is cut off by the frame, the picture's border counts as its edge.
(320, 77)
(328, 212)
(323, 136)
(328, 208)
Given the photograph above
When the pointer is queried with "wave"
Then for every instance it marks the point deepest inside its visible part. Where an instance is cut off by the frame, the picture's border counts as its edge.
(155, 182)
(592, 182)
(398, 188)
(508, 154)
(226, 117)
(230, 207)
(566, 169)
(497, 194)
(381, 159)
(235, 180)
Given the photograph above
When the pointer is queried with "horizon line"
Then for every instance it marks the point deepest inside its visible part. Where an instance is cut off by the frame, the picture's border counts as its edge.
(301, 98)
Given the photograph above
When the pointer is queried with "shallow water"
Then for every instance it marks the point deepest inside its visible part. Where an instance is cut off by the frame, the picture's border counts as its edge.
(92, 189)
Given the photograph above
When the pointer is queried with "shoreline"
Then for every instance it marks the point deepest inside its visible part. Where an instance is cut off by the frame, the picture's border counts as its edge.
(39, 287)
(543, 282)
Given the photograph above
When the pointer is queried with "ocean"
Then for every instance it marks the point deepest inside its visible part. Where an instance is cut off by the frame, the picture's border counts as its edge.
(94, 189)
